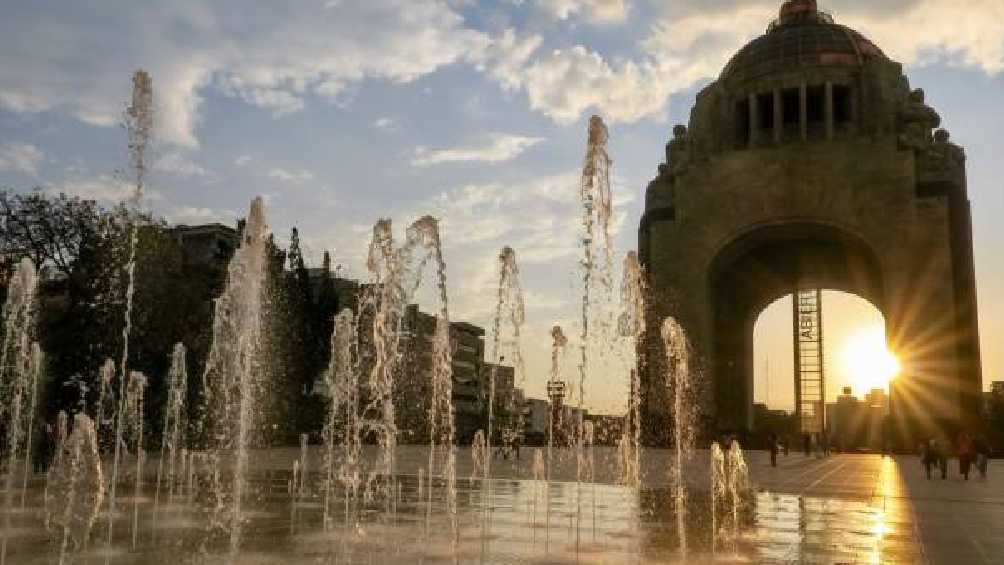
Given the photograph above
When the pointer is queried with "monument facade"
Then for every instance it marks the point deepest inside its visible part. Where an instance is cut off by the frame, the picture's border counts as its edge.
(811, 163)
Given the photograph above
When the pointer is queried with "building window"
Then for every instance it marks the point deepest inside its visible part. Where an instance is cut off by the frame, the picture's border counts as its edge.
(816, 111)
(791, 108)
(743, 123)
(842, 110)
(765, 117)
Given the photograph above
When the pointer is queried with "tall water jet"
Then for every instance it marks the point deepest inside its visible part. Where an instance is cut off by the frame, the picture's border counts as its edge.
(597, 207)
(555, 389)
(631, 325)
(509, 308)
(139, 127)
(719, 490)
(342, 379)
(171, 440)
(133, 438)
(737, 484)
(479, 455)
(232, 378)
(36, 365)
(17, 377)
(678, 379)
(105, 411)
(75, 487)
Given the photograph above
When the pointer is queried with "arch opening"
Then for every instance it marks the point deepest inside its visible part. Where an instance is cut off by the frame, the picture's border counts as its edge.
(858, 370)
(757, 269)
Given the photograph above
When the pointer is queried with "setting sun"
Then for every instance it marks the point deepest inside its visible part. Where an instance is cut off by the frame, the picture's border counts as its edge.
(867, 361)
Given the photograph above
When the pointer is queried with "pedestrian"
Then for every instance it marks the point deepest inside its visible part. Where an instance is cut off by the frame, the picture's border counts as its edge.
(772, 444)
(942, 455)
(927, 457)
(826, 444)
(785, 443)
(807, 444)
(982, 450)
(966, 454)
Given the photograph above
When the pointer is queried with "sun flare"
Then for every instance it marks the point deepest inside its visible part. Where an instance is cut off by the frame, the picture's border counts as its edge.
(867, 362)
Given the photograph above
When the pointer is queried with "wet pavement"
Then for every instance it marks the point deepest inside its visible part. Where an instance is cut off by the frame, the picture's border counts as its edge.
(840, 509)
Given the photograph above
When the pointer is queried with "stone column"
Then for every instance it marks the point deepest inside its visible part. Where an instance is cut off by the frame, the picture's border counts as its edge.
(754, 121)
(830, 127)
(778, 116)
(803, 110)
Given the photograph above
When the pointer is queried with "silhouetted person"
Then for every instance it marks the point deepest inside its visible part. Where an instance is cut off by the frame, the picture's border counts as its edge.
(772, 441)
(807, 444)
(785, 444)
(927, 458)
(966, 454)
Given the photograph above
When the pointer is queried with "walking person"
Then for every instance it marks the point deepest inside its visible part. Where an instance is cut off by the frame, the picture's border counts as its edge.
(966, 454)
(772, 444)
(927, 457)
(982, 449)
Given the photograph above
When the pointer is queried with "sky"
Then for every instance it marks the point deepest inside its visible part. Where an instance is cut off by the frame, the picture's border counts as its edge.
(340, 112)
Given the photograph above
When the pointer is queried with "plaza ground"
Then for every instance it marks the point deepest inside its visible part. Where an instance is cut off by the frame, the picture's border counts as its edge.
(848, 508)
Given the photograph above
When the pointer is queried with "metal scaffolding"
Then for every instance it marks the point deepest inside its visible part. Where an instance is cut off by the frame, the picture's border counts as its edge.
(810, 389)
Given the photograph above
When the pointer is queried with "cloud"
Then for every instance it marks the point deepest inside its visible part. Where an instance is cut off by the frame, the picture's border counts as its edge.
(194, 215)
(691, 41)
(387, 124)
(284, 175)
(499, 148)
(22, 158)
(274, 56)
(598, 11)
(177, 164)
(105, 189)
(242, 160)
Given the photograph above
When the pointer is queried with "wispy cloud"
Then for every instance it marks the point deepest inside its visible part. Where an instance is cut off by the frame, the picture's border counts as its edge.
(177, 164)
(242, 160)
(388, 124)
(22, 158)
(285, 175)
(498, 148)
(599, 11)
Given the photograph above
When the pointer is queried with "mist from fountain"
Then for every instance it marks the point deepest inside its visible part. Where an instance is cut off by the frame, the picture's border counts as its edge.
(679, 381)
(232, 379)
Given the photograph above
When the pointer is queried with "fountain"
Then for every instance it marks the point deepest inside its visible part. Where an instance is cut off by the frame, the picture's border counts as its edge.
(20, 363)
(679, 380)
(631, 325)
(75, 487)
(509, 308)
(171, 435)
(232, 377)
(139, 126)
(359, 465)
(342, 379)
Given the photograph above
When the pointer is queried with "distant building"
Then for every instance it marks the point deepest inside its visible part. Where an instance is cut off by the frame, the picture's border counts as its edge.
(607, 429)
(536, 419)
(208, 244)
(856, 425)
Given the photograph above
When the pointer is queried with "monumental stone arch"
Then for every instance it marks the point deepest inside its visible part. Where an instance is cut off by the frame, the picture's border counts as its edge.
(810, 163)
